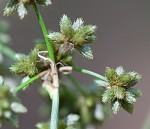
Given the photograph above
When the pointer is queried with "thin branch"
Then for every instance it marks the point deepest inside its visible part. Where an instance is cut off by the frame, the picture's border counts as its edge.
(85, 71)
(26, 84)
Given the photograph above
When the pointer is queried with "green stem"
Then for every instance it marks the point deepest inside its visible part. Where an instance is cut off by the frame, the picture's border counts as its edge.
(7, 51)
(55, 98)
(85, 71)
(54, 112)
(48, 42)
(26, 84)
(77, 84)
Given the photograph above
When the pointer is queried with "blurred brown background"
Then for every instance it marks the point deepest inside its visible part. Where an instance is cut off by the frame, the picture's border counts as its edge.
(123, 38)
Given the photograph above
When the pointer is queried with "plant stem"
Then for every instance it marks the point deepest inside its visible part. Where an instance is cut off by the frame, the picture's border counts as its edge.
(77, 84)
(7, 51)
(85, 71)
(26, 84)
(49, 43)
(55, 97)
(55, 109)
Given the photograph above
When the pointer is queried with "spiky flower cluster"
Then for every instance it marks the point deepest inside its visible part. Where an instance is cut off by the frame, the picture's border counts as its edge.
(10, 106)
(119, 88)
(26, 64)
(31, 64)
(22, 6)
(74, 36)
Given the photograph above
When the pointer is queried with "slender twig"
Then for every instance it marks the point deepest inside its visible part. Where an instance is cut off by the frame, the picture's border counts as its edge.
(77, 84)
(85, 71)
(7, 51)
(26, 84)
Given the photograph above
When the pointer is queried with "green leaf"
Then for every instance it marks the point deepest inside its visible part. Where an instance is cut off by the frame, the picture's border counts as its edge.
(11, 7)
(116, 106)
(66, 27)
(85, 51)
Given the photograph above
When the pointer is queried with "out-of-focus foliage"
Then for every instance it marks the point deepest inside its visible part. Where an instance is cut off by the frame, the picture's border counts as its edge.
(10, 106)
(89, 108)
(4, 38)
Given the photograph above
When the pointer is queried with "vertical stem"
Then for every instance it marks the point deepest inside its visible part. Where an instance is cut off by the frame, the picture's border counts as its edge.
(48, 42)
(55, 109)
(55, 97)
